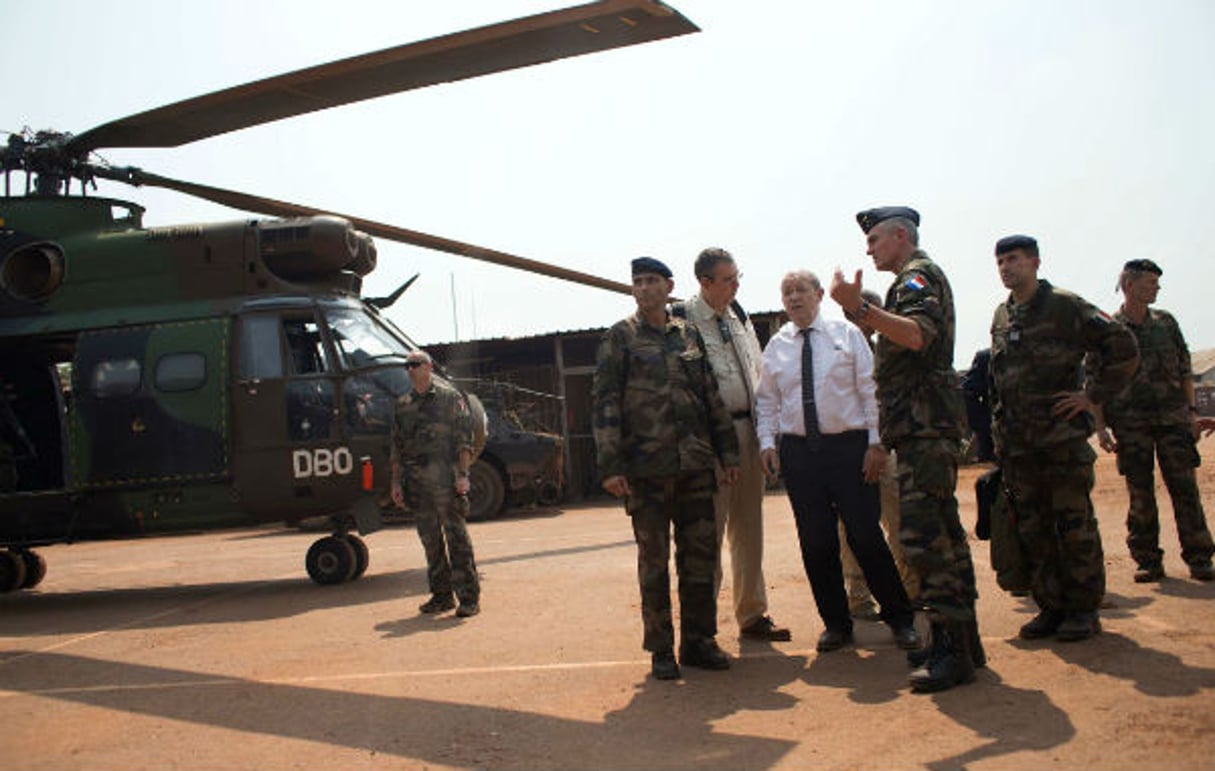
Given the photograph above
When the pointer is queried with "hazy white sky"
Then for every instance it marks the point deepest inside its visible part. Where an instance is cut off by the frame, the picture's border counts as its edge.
(1088, 124)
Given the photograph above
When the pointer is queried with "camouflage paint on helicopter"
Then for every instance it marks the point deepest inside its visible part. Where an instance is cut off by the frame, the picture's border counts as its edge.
(221, 375)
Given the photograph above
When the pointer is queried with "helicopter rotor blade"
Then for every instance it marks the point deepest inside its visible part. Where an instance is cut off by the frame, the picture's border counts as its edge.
(544, 37)
(273, 208)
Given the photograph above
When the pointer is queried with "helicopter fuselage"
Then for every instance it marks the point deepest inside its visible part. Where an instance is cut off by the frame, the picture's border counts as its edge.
(188, 378)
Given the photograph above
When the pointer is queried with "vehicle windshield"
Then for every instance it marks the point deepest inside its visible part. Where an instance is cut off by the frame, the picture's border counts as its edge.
(361, 340)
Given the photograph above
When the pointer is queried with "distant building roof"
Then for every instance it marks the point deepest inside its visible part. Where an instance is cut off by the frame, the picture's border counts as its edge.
(1202, 361)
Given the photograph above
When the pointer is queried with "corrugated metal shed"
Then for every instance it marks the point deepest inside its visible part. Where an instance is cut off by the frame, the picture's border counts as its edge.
(544, 381)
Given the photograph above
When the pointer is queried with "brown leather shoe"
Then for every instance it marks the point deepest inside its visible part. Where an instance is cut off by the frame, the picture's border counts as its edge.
(766, 629)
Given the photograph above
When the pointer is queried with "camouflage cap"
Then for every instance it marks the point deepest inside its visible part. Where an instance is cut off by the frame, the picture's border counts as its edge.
(650, 265)
(1143, 266)
(870, 217)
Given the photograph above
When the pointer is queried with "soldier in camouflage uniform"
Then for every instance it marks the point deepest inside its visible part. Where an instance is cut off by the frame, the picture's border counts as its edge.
(432, 441)
(1155, 416)
(1041, 420)
(660, 427)
(921, 418)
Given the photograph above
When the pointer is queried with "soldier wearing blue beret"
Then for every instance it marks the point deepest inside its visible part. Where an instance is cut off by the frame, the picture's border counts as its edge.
(661, 429)
(1042, 409)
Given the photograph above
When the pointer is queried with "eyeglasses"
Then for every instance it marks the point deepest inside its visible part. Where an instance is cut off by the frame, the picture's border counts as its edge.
(413, 364)
(733, 278)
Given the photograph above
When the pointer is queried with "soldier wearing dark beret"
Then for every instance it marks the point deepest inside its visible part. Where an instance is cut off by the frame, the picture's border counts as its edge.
(643, 265)
(1154, 418)
(921, 419)
(661, 428)
(1042, 416)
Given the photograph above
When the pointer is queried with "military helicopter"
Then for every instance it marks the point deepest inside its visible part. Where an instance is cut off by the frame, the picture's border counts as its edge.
(206, 376)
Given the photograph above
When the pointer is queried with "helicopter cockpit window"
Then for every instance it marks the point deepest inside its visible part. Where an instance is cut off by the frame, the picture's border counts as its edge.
(116, 377)
(307, 351)
(361, 341)
(180, 372)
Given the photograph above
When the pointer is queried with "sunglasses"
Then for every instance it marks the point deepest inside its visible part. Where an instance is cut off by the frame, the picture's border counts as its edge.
(413, 364)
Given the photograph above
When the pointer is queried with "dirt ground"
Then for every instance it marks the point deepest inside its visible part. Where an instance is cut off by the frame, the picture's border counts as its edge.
(215, 651)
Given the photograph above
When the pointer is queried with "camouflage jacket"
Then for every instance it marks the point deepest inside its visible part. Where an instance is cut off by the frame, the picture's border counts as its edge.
(1038, 350)
(431, 427)
(918, 392)
(657, 409)
(1156, 395)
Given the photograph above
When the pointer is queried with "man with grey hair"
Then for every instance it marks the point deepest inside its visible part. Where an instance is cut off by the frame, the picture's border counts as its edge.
(817, 420)
(921, 420)
(734, 354)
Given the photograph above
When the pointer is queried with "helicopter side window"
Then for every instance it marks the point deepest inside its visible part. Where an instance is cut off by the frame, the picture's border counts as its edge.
(180, 372)
(116, 377)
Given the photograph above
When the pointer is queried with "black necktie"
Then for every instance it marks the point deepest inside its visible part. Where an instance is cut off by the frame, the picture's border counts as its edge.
(808, 407)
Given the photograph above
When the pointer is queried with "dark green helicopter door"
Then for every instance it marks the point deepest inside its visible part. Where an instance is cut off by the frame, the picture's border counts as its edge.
(150, 405)
(291, 457)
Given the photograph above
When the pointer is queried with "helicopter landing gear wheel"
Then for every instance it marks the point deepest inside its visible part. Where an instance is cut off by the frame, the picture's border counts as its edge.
(331, 560)
(35, 568)
(486, 491)
(362, 557)
(12, 571)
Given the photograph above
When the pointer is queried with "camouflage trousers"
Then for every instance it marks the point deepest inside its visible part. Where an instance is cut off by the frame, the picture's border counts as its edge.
(440, 517)
(1060, 542)
(685, 501)
(930, 530)
(1138, 450)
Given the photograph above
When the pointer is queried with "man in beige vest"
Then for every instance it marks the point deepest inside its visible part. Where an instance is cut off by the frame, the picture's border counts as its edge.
(734, 355)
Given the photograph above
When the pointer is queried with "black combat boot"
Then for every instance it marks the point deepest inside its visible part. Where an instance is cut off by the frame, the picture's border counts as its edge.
(919, 657)
(949, 662)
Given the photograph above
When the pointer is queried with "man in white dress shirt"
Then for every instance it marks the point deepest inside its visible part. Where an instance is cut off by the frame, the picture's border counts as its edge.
(734, 354)
(829, 456)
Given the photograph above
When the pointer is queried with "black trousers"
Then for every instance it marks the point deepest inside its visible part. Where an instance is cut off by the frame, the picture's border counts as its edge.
(826, 484)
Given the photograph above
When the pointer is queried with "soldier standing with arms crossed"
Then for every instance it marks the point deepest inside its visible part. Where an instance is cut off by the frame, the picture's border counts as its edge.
(734, 355)
(1041, 410)
(660, 431)
(921, 417)
(432, 440)
(1155, 416)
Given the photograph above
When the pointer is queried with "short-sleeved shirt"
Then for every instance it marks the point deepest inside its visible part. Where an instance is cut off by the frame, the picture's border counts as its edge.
(431, 428)
(918, 392)
(1156, 395)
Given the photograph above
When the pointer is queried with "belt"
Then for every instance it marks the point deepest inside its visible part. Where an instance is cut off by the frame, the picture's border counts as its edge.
(741, 414)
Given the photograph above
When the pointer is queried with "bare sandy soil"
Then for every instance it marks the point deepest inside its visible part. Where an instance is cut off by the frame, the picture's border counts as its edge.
(215, 651)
